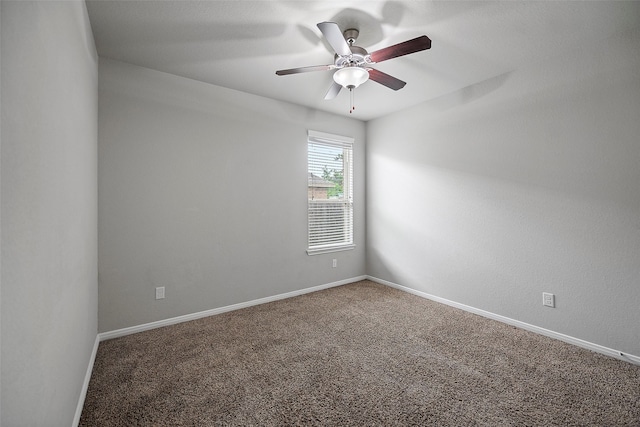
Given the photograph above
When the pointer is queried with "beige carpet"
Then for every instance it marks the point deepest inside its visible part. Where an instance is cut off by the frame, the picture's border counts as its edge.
(363, 355)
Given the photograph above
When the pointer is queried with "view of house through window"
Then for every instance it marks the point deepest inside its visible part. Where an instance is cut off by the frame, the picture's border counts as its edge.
(330, 192)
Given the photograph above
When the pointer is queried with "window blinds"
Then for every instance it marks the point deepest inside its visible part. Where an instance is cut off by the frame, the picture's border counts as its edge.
(330, 192)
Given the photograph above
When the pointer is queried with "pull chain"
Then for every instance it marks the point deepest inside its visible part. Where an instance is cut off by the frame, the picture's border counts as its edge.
(351, 98)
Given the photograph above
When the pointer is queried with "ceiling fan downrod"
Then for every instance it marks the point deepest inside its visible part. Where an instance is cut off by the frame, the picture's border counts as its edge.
(351, 35)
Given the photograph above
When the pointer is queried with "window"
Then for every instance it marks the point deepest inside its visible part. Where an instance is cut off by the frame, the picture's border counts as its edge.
(330, 192)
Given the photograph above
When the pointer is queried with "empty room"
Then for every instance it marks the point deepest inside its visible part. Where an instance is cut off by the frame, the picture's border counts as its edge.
(319, 213)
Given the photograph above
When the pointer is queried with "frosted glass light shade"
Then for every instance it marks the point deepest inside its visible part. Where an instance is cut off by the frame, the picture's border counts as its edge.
(351, 77)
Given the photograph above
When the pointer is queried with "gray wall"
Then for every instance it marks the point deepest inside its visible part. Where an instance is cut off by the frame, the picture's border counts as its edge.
(203, 190)
(527, 182)
(48, 210)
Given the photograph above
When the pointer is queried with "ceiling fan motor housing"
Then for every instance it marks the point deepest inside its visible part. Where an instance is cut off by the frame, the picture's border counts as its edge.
(358, 57)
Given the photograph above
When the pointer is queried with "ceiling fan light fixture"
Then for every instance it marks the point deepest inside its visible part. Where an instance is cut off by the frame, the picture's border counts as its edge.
(351, 77)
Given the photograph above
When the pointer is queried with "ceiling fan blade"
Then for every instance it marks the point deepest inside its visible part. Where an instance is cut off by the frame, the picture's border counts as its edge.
(305, 69)
(334, 36)
(333, 91)
(385, 79)
(400, 49)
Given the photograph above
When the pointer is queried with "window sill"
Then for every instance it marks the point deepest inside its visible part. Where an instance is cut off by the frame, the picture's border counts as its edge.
(326, 250)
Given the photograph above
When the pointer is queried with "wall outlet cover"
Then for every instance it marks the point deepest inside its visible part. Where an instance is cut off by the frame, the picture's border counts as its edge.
(548, 299)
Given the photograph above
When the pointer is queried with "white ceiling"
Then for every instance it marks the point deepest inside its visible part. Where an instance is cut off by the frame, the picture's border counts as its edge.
(240, 44)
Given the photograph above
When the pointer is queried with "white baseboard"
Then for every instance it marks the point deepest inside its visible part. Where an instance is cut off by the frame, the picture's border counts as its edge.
(542, 331)
(85, 384)
(193, 316)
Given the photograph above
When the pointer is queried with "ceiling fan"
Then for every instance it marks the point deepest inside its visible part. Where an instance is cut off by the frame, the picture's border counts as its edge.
(353, 63)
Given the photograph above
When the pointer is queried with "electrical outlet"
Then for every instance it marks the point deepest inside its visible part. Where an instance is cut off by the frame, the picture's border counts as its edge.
(335, 263)
(160, 292)
(548, 299)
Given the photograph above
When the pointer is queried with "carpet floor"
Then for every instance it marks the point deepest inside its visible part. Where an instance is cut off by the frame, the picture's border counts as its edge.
(361, 354)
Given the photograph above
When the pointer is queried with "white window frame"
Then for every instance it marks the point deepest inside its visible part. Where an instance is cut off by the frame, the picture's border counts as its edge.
(346, 143)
